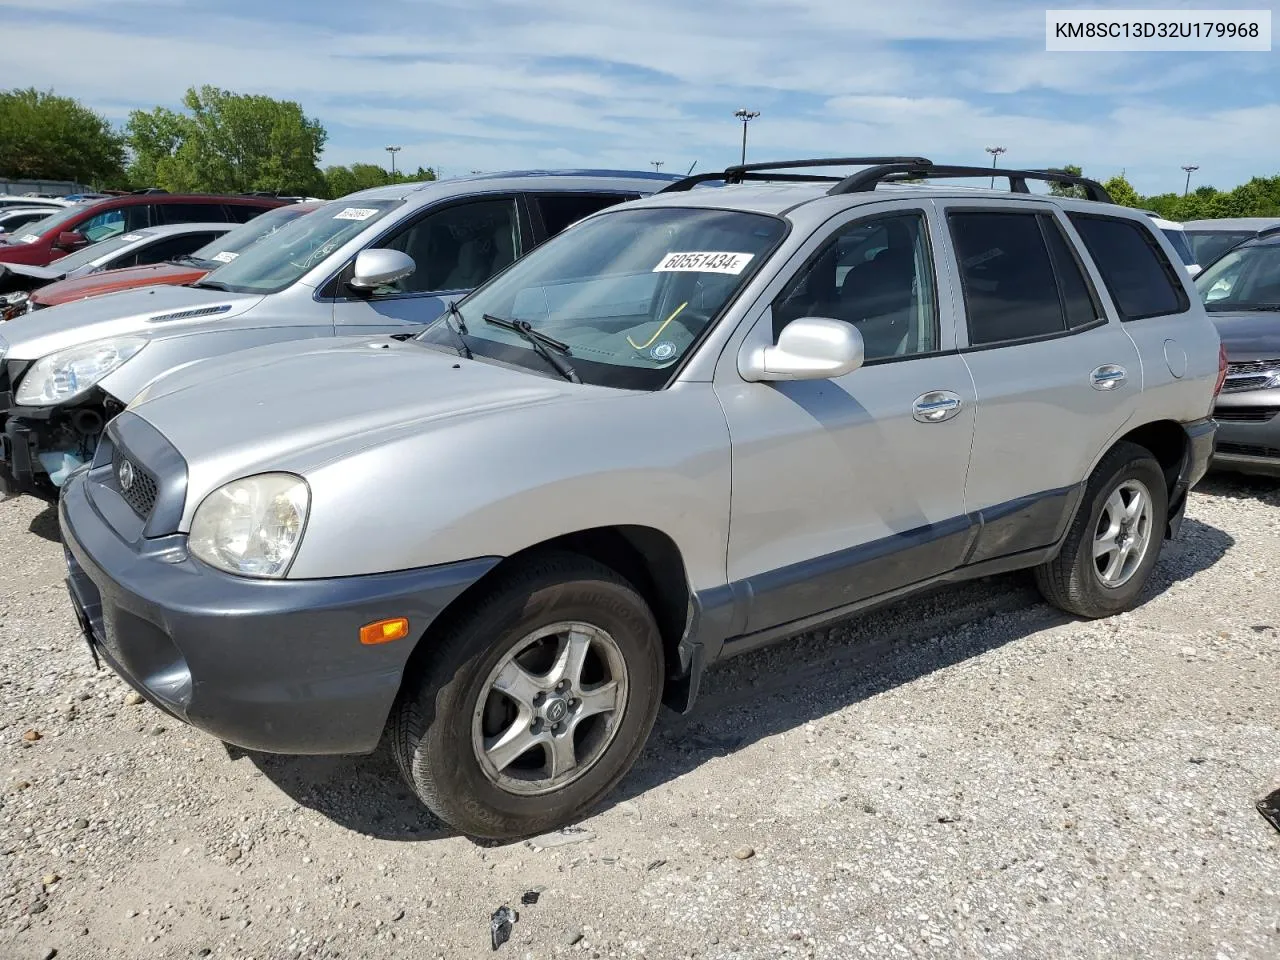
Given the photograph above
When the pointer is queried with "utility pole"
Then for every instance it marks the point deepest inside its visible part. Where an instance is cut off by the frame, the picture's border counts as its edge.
(657, 164)
(746, 116)
(995, 155)
(393, 151)
(1190, 168)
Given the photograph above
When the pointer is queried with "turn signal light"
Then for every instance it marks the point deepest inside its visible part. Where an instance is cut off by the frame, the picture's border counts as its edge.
(384, 631)
(1222, 370)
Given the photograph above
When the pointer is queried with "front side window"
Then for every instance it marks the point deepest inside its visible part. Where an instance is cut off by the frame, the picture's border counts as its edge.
(104, 226)
(876, 275)
(457, 248)
(171, 247)
(1139, 276)
(297, 247)
(627, 293)
(1010, 292)
(1247, 278)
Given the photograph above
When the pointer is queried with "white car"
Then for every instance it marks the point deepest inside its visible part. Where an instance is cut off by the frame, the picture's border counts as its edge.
(1177, 236)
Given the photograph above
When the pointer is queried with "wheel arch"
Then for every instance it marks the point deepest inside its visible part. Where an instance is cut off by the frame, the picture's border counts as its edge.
(1168, 443)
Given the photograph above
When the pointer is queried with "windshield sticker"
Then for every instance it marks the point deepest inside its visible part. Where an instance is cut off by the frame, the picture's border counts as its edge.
(132, 237)
(29, 238)
(704, 262)
(226, 256)
(663, 351)
(355, 213)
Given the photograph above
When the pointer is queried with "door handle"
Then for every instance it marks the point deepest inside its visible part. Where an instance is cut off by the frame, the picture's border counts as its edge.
(1108, 376)
(936, 406)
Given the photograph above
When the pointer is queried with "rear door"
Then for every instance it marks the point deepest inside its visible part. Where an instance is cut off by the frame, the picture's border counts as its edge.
(1056, 376)
(457, 245)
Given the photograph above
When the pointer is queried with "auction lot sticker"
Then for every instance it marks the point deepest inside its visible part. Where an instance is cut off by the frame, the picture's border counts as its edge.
(226, 256)
(355, 213)
(704, 261)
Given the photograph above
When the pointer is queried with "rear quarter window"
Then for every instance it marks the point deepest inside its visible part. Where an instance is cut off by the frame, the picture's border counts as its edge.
(1141, 280)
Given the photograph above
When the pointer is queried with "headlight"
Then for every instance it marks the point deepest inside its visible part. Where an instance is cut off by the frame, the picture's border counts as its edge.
(252, 527)
(68, 373)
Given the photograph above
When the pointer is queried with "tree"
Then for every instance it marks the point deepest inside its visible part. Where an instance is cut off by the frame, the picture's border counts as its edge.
(1068, 189)
(1122, 191)
(48, 137)
(361, 176)
(227, 143)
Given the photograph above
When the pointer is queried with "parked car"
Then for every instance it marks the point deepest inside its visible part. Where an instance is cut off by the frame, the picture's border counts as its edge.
(380, 261)
(13, 200)
(13, 218)
(179, 270)
(1210, 239)
(1176, 234)
(81, 224)
(1242, 294)
(685, 427)
(146, 246)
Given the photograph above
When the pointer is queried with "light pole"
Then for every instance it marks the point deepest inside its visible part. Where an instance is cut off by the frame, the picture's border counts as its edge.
(393, 151)
(746, 116)
(995, 155)
(657, 165)
(1190, 168)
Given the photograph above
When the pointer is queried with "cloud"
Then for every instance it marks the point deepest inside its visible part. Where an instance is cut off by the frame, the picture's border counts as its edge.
(488, 84)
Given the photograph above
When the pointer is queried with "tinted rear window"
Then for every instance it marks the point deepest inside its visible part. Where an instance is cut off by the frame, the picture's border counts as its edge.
(1142, 281)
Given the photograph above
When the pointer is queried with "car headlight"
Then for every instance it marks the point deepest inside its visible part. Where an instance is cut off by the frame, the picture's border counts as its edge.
(66, 374)
(252, 527)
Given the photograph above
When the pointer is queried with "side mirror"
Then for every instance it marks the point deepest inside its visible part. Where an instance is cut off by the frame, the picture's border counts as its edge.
(810, 348)
(70, 240)
(376, 268)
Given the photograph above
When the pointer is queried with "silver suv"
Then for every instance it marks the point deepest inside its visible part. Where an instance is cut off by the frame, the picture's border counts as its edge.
(687, 426)
(379, 261)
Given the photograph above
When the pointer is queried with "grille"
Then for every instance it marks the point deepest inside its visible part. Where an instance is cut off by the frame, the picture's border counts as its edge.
(1245, 414)
(141, 495)
(1248, 449)
(1252, 366)
(1240, 382)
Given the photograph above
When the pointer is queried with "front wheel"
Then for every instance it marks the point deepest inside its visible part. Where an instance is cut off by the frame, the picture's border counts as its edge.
(534, 703)
(1115, 540)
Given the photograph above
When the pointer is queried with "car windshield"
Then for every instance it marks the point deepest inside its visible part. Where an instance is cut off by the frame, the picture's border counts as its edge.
(1209, 245)
(296, 248)
(231, 244)
(629, 293)
(41, 227)
(1246, 278)
(1178, 239)
(95, 252)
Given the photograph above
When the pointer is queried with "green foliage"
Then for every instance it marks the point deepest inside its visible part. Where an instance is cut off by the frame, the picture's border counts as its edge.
(48, 137)
(339, 181)
(1068, 189)
(1260, 197)
(227, 143)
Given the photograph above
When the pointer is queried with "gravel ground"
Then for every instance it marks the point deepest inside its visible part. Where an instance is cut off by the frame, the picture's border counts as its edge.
(967, 775)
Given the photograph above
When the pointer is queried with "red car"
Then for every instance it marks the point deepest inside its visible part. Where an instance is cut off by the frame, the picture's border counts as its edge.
(185, 270)
(39, 244)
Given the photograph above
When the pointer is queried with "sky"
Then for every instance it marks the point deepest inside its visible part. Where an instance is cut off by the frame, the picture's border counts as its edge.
(464, 85)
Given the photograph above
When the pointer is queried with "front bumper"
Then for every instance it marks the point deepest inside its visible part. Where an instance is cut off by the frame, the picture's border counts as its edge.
(270, 665)
(1249, 433)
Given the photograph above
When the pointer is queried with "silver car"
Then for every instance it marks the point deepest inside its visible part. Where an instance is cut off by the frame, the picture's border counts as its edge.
(685, 427)
(380, 261)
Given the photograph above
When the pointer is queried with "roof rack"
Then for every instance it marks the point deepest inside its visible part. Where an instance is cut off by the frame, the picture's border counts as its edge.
(151, 190)
(866, 180)
(742, 172)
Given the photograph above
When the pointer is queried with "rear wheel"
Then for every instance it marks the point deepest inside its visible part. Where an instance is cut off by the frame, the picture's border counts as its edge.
(534, 703)
(1115, 540)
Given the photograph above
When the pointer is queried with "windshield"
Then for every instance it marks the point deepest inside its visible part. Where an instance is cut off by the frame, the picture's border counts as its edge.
(296, 248)
(1247, 278)
(36, 230)
(95, 252)
(231, 244)
(629, 292)
(1209, 245)
(1178, 238)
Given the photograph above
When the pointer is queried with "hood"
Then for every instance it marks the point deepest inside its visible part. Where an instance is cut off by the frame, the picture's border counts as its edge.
(1249, 334)
(40, 273)
(109, 281)
(34, 335)
(296, 405)
(14, 251)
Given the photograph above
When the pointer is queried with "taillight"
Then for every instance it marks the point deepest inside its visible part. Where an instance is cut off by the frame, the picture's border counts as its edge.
(1222, 370)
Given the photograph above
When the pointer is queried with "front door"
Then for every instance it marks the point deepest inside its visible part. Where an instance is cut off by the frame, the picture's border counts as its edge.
(847, 488)
(456, 248)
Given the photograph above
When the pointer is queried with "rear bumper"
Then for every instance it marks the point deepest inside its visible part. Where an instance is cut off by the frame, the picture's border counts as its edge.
(1200, 441)
(275, 666)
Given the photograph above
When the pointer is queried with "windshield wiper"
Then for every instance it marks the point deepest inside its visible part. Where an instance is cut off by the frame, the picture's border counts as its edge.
(454, 316)
(186, 258)
(212, 285)
(540, 342)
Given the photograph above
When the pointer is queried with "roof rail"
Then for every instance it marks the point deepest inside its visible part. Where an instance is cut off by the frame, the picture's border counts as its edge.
(742, 172)
(151, 190)
(866, 180)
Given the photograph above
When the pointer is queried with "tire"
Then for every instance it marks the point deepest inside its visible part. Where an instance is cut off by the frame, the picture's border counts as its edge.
(450, 711)
(1076, 581)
